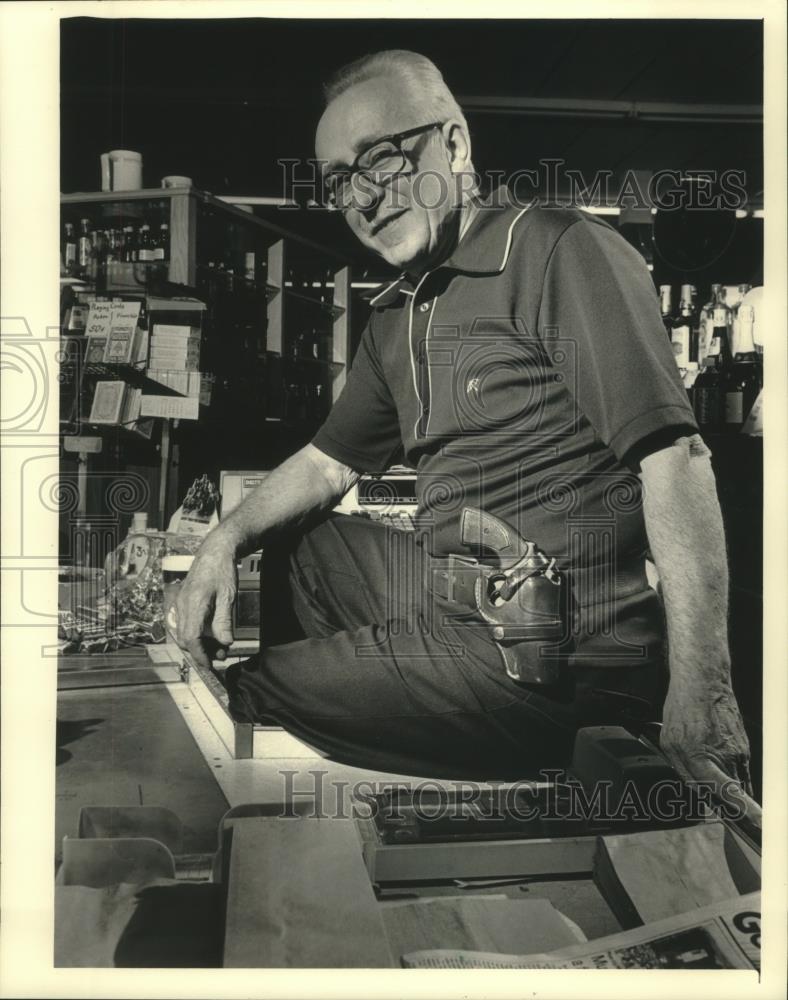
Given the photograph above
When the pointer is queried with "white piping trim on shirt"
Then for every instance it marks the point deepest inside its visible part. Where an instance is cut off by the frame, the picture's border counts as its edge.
(388, 288)
(375, 298)
(429, 369)
(410, 345)
(507, 249)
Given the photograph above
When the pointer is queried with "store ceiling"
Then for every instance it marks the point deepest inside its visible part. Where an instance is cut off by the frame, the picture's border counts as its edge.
(222, 100)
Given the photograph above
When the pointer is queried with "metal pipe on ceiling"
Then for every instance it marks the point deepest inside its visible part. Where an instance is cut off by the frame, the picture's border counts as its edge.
(643, 111)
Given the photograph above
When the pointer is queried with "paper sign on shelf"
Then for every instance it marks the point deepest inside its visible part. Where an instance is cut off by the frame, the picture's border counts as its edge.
(170, 407)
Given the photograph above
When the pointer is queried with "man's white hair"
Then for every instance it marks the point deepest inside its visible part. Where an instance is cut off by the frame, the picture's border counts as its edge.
(420, 74)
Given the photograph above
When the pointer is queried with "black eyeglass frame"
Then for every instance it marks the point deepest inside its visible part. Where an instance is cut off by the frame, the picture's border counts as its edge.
(355, 169)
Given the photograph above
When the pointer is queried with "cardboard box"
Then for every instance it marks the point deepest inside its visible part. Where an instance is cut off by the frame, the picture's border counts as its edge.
(175, 330)
(171, 340)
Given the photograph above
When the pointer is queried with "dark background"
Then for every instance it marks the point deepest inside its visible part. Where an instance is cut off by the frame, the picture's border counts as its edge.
(222, 100)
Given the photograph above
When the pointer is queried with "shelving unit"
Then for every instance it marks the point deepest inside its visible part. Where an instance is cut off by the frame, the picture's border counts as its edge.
(267, 292)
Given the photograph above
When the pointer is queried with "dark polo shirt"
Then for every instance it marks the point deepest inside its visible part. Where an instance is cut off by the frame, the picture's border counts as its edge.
(522, 376)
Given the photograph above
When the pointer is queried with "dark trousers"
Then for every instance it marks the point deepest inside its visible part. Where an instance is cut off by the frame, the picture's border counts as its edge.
(393, 678)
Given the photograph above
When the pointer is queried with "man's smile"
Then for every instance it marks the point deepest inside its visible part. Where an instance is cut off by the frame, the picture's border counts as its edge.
(382, 223)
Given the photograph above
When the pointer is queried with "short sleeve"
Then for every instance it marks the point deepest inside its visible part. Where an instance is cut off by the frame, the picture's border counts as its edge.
(362, 429)
(598, 293)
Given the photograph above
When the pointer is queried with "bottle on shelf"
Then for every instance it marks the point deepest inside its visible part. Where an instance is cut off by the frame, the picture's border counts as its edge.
(84, 247)
(706, 323)
(683, 332)
(666, 307)
(114, 245)
(129, 244)
(738, 297)
(97, 257)
(145, 248)
(69, 250)
(745, 375)
(162, 248)
(709, 389)
(689, 378)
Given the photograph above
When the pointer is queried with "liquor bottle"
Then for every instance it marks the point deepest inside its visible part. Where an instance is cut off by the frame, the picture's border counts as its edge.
(84, 246)
(69, 249)
(709, 389)
(162, 248)
(690, 378)
(129, 245)
(144, 246)
(744, 378)
(741, 291)
(682, 335)
(666, 307)
(114, 245)
(95, 254)
(706, 323)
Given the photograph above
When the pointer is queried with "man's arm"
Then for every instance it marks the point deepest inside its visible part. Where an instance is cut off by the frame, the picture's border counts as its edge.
(306, 483)
(702, 732)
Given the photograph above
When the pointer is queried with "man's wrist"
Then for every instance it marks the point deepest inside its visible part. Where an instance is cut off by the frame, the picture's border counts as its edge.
(225, 539)
(705, 672)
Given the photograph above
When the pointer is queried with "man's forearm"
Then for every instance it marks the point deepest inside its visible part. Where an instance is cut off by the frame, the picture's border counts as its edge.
(304, 484)
(703, 734)
(687, 541)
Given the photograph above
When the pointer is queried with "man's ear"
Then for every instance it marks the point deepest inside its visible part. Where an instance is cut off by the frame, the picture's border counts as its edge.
(458, 146)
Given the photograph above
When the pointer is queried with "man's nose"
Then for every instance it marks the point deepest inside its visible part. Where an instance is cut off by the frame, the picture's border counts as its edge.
(367, 195)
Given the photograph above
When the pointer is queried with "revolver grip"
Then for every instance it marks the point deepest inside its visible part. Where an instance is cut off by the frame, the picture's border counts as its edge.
(480, 530)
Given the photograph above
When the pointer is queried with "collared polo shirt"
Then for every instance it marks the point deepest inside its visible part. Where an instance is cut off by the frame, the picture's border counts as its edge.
(519, 376)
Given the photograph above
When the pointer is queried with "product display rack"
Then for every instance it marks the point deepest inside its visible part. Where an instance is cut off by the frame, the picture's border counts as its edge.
(275, 342)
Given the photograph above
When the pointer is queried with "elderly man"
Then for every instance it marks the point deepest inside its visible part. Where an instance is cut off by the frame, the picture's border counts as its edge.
(520, 364)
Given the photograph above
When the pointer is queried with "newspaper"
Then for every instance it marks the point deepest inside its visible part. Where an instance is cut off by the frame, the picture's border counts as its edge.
(722, 936)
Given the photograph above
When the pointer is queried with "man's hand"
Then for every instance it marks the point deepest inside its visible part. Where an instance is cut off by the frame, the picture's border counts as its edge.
(703, 736)
(206, 599)
(702, 733)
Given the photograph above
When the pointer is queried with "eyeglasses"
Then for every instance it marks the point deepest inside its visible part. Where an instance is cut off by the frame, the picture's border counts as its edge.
(378, 163)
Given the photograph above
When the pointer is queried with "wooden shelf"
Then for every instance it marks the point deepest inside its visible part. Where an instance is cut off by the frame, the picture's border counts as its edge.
(129, 373)
(195, 195)
(328, 307)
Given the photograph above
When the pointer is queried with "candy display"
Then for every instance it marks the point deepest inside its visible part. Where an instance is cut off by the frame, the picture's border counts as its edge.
(128, 609)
